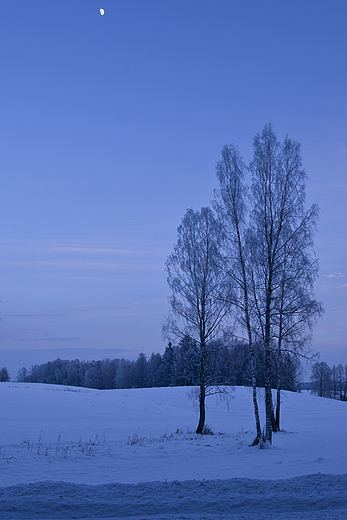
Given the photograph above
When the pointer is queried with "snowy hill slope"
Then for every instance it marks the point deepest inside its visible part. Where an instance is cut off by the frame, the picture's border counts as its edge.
(89, 436)
(92, 443)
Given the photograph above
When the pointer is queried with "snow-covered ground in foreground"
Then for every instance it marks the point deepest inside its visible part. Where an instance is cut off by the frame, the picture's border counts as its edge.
(80, 453)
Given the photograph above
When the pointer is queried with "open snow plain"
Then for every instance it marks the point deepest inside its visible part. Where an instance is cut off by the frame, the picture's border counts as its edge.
(73, 453)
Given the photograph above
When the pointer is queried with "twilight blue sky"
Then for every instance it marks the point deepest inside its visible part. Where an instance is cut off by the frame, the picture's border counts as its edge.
(110, 129)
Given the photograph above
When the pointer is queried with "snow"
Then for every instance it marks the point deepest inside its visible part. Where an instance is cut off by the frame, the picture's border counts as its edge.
(79, 453)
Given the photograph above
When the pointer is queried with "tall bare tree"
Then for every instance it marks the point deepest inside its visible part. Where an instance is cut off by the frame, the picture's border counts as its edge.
(233, 211)
(295, 310)
(199, 303)
(284, 266)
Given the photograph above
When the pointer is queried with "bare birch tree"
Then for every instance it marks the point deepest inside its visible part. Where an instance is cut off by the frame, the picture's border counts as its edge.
(295, 310)
(284, 267)
(232, 209)
(199, 303)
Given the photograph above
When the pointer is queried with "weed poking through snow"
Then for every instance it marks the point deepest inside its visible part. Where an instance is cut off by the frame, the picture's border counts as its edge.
(64, 449)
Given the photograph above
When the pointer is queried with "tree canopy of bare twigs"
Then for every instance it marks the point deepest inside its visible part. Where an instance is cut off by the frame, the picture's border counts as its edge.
(199, 302)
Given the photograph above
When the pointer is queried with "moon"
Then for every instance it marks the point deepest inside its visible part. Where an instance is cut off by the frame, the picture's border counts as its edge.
(102, 12)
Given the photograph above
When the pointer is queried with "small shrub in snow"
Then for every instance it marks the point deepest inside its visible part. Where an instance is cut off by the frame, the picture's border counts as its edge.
(5, 457)
(64, 449)
(207, 430)
(40, 443)
(166, 436)
(135, 439)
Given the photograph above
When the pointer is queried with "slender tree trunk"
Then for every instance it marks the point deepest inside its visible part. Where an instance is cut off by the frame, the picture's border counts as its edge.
(268, 398)
(202, 396)
(269, 414)
(279, 387)
(279, 353)
(251, 350)
(254, 395)
(273, 419)
(202, 392)
(279, 382)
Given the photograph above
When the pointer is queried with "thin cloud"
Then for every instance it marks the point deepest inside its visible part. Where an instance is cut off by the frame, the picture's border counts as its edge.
(34, 315)
(41, 264)
(48, 247)
(96, 250)
(48, 339)
(92, 310)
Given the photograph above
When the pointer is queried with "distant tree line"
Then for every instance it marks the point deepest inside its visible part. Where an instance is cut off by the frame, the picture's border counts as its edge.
(178, 366)
(329, 382)
(4, 375)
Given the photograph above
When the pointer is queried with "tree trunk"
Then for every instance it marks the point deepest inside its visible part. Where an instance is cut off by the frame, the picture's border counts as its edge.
(269, 412)
(278, 405)
(252, 355)
(268, 397)
(279, 386)
(202, 395)
(274, 423)
(255, 401)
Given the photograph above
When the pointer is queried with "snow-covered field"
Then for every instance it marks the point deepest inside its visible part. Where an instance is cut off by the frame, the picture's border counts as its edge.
(80, 453)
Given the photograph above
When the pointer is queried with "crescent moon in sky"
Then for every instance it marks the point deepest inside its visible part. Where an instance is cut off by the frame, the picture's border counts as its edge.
(102, 12)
